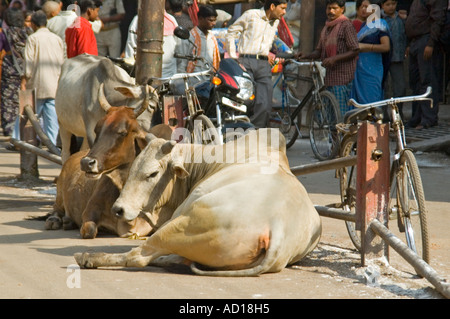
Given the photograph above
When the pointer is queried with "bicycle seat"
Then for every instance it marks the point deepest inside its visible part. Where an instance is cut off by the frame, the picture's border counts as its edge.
(370, 113)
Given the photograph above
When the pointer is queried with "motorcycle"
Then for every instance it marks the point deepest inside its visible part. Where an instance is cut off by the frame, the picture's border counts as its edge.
(231, 94)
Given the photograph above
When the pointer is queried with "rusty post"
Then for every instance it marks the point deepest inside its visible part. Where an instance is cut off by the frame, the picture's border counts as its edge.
(372, 184)
(149, 40)
(28, 160)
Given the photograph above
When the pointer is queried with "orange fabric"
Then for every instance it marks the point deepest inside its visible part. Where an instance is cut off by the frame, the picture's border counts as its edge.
(198, 42)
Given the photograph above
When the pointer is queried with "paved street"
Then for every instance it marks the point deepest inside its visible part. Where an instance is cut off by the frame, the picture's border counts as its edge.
(35, 263)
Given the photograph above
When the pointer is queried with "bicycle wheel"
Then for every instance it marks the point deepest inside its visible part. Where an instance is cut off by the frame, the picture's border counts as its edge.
(282, 119)
(407, 192)
(347, 181)
(323, 117)
(202, 130)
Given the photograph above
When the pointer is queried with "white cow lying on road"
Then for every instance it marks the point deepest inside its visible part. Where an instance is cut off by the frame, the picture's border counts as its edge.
(239, 217)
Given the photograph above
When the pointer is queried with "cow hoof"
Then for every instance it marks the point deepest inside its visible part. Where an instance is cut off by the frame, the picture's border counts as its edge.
(83, 261)
(88, 230)
(68, 224)
(53, 222)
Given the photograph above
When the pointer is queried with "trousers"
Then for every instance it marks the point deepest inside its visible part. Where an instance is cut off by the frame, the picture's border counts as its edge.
(424, 73)
(260, 70)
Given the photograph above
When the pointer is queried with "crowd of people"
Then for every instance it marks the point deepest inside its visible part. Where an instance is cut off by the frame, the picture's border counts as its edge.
(359, 54)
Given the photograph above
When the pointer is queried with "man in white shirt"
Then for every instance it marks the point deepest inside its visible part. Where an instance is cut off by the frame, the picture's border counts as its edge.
(256, 30)
(169, 63)
(44, 56)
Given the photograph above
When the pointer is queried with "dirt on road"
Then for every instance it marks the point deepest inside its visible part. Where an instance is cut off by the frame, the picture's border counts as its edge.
(36, 263)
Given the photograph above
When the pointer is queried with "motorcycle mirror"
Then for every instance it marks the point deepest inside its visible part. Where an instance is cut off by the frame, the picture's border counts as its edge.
(181, 33)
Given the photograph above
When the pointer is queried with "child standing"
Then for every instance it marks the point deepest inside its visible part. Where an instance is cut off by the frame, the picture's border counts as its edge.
(399, 43)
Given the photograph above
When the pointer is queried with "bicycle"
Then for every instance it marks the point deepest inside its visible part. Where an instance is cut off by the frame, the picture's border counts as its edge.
(407, 198)
(202, 130)
(322, 116)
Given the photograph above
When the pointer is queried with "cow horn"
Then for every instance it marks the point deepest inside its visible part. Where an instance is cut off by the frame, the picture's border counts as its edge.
(140, 109)
(167, 147)
(102, 98)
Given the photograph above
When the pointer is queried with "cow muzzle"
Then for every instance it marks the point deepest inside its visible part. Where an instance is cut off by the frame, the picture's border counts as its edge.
(121, 211)
(89, 166)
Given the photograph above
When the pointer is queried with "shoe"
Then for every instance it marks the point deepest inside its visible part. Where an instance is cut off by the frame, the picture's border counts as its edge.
(425, 126)
(11, 147)
(410, 124)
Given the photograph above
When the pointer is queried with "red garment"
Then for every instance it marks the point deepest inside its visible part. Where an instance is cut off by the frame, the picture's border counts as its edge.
(193, 10)
(80, 38)
(284, 33)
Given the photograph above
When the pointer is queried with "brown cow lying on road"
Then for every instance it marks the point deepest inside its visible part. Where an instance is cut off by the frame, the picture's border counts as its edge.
(84, 197)
(241, 215)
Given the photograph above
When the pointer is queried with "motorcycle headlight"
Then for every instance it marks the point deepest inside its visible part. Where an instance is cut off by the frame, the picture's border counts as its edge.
(246, 88)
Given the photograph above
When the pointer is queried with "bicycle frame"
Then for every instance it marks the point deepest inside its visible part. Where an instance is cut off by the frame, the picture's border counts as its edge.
(312, 93)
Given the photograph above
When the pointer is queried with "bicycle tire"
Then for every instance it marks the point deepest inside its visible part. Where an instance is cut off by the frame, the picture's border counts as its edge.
(410, 199)
(323, 117)
(202, 130)
(347, 183)
(282, 119)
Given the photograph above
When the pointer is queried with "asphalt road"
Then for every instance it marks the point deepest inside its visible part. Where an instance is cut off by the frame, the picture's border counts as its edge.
(35, 263)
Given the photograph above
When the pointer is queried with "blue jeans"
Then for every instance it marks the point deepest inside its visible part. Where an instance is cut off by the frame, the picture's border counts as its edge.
(46, 112)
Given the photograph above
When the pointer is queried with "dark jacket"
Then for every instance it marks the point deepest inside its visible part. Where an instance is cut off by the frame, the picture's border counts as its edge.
(426, 17)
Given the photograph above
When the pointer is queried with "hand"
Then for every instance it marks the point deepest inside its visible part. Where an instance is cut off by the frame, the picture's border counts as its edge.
(271, 59)
(23, 84)
(329, 62)
(427, 53)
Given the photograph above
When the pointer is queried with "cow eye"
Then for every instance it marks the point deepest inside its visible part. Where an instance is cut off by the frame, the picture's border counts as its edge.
(123, 133)
(152, 175)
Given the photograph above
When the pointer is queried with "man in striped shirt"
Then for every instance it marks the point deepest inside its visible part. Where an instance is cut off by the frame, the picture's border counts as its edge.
(255, 30)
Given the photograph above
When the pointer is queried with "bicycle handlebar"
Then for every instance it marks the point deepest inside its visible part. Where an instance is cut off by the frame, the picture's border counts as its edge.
(392, 101)
(182, 76)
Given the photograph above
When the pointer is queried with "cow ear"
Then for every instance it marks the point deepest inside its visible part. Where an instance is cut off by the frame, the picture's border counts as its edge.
(129, 92)
(180, 171)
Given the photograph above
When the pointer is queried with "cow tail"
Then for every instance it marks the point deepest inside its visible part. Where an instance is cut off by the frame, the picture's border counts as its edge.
(269, 259)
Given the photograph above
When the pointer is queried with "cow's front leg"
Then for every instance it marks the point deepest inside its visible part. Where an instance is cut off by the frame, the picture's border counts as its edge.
(89, 230)
(133, 258)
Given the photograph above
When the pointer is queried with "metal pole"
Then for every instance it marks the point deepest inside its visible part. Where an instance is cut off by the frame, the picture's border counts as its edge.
(149, 40)
(335, 213)
(419, 265)
(372, 185)
(324, 166)
(37, 151)
(37, 128)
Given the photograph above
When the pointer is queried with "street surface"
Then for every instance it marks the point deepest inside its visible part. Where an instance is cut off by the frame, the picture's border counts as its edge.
(35, 263)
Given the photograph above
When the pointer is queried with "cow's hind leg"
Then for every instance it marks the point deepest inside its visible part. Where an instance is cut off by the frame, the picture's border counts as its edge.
(133, 258)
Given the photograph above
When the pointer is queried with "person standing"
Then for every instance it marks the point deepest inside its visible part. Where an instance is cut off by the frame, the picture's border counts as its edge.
(399, 42)
(12, 40)
(361, 13)
(170, 42)
(256, 29)
(109, 39)
(205, 43)
(338, 49)
(80, 37)
(423, 28)
(44, 56)
(373, 61)
(175, 8)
